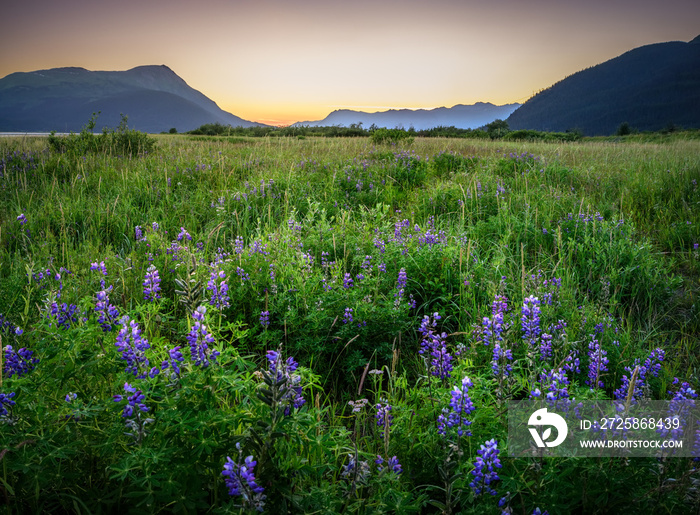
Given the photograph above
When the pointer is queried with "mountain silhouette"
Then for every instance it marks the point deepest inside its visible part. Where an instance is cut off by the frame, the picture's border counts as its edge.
(154, 99)
(460, 116)
(651, 87)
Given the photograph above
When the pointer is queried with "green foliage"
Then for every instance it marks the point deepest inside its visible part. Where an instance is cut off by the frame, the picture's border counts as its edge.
(288, 222)
(530, 135)
(120, 141)
(391, 136)
(497, 129)
(623, 129)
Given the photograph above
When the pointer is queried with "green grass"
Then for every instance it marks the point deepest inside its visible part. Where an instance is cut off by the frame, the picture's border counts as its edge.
(606, 230)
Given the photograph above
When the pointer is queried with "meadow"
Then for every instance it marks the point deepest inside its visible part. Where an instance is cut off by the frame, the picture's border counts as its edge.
(334, 325)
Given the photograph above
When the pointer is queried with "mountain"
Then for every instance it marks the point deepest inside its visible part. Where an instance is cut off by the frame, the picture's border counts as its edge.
(460, 116)
(154, 98)
(649, 87)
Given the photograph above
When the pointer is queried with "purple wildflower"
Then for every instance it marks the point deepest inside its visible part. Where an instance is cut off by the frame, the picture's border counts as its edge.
(282, 371)
(108, 313)
(500, 361)
(384, 417)
(393, 464)
(174, 359)
(597, 364)
(240, 480)
(530, 320)
(484, 468)
(434, 345)
(219, 290)
(134, 421)
(347, 317)
(347, 281)
(64, 315)
(200, 341)
(132, 347)
(6, 404)
(265, 319)
(18, 362)
(461, 406)
(492, 329)
(650, 367)
(184, 235)
(22, 219)
(151, 284)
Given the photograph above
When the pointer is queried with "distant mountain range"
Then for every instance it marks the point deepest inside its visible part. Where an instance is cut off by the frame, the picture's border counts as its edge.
(649, 87)
(460, 116)
(154, 98)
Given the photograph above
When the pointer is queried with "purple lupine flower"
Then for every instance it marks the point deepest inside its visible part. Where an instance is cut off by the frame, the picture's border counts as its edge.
(401, 282)
(22, 219)
(492, 329)
(240, 480)
(530, 320)
(347, 281)
(597, 364)
(174, 359)
(200, 341)
(18, 362)
(545, 346)
(151, 284)
(384, 417)
(556, 385)
(393, 464)
(238, 245)
(108, 313)
(572, 362)
(434, 345)
(402, 279)
(219, 290)
(265, 319)
(292, 390)
(461, 406)
(484, 468)
(135, 400)
(138, 233)
(134, 421)
(347, 317)
(500, 304)
(681, 407)
(64, 315)
(100, 267)
(133, 347)
(71, 396)
(500, 361)
(357, 473)
(650, 367)
(6, 404)
(8, 328)
(184, 235)
(244, 276)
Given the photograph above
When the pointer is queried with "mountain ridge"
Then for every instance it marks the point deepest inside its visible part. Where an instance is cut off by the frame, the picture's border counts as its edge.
(649, 87)
(462, 116)
(153, 97)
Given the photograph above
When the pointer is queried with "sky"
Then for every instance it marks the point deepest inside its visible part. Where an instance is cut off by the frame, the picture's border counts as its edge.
(282, 61)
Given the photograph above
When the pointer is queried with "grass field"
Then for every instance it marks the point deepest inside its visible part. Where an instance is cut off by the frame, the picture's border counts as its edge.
(317, 303)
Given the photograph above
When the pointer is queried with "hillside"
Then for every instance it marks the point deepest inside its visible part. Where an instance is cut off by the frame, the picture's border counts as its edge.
(63, 99)
(460, 116)
(649, 87)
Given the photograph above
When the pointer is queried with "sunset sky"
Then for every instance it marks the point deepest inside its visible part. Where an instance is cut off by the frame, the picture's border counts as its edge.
(281, 61)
